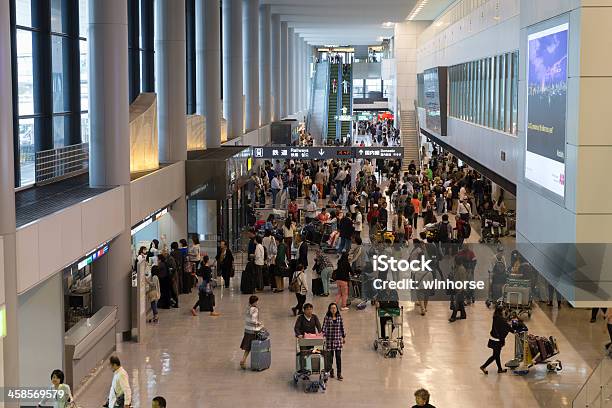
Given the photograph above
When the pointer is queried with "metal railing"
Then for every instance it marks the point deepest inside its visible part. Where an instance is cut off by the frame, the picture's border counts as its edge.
(61, 163)
(597, 390)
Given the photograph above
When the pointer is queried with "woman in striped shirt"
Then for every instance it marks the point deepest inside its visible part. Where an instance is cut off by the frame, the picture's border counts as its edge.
(333, 330)
(252, 325)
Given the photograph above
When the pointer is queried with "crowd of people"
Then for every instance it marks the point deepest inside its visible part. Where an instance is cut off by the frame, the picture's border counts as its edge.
(378, 132)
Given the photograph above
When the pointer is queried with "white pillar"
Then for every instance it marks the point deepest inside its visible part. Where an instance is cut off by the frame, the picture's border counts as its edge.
(290, 71)
(265, 89)
(284, 69)
(170, 64)
(208, 68)
(232, 68)
(109, 148)
(250, 42)
(10, 344)
(298, 71)
(276, 68)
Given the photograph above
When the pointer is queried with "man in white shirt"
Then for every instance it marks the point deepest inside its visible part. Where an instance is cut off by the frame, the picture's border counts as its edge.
(276, 185)
(358, 223)
(310, 210)
(120, 394)
(260, 260)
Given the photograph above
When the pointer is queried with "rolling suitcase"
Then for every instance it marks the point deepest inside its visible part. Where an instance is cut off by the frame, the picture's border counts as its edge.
(207, 301)
(317, 286)
(247, 281)
(261, 357)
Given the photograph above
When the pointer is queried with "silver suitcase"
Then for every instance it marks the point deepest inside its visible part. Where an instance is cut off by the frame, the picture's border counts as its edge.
(261, 357)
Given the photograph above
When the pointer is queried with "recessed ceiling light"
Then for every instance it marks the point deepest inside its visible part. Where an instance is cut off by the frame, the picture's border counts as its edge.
(388, 24)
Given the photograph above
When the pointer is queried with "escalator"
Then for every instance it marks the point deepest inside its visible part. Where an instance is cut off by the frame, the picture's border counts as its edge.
(317, 116)
(347, 99)
(332, 103)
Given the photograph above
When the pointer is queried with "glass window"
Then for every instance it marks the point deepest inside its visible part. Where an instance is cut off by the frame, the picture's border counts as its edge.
(56, 17)
(83, 18)
(23, 11)
(25, 79)
(84, 77)
(85, 127)
(60, 128)
(58, 75)
(387, 88)
(26, 151)
(373, 85)
(358, 88)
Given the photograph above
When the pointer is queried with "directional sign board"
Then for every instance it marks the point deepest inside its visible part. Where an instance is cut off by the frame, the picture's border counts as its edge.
(378, 152)
(326, 152)
(303, 153)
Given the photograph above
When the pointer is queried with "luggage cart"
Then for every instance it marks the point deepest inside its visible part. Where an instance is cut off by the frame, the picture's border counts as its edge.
(310, 364)
(393, 343)
(516, 298)
(530, 350)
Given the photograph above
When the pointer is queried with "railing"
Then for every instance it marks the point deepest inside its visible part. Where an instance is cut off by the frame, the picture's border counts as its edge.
(597, 390)
(418, 132)
(64, 162)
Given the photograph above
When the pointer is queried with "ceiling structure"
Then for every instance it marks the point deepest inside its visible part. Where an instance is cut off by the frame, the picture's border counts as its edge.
(351, 22)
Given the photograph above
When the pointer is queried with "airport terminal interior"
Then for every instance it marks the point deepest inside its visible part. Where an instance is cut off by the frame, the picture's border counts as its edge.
(222, 203)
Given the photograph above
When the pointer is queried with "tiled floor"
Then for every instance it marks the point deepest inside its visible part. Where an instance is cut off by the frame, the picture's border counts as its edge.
(193, 361)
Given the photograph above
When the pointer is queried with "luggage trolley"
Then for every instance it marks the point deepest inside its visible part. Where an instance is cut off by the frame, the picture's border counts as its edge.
(393, 343)
(310, 364)
(530, 350)
(516, 297)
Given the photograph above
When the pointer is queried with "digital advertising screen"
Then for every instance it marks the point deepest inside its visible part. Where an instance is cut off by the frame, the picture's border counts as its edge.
(546, 108)
(434, 83)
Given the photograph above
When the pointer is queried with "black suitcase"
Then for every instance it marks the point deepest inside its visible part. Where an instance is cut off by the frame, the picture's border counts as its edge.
(247, 282)
(207, 302)
(317, 286)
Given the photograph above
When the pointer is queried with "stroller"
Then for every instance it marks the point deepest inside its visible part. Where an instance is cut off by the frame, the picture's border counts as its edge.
(392, 343)
(310, 363)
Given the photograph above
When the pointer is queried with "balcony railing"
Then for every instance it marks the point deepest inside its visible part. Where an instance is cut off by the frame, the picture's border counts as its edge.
(61, 163)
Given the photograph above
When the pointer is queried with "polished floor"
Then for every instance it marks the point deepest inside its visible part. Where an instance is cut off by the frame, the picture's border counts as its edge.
(194, 361)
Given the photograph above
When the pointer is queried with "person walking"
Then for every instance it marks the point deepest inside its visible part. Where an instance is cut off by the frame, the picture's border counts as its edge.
(158, 402)
(120, 393)
(280, 265)
(325, 268)
(62, 397)
(252, 325)
(421, 397)
(225, 262)
(205, 289)
(499, 330)
(335, 337)
(288, 233)
(298, 281)
(343, 278)
(260, 262)
(153, 292)
(458, 296)
(276, 185)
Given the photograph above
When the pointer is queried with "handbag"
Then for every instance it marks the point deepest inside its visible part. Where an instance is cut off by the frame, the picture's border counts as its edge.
(262, 334)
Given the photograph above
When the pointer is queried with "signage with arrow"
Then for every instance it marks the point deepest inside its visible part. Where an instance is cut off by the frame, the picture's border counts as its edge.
(326, 152)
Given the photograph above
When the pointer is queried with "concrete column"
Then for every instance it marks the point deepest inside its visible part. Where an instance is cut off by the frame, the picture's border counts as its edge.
(208, 68)
(276, 68)
(109, 148)
(284, 69)
(10, 344)
(290, 71)
(232, 68)
(170, 63)
(250, 42)
(265, 91)
(298, 71)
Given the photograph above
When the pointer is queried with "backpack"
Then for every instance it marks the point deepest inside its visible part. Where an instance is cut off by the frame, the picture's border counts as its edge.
(443, 232)
(498, 269)
(295, 285)
(409, 210)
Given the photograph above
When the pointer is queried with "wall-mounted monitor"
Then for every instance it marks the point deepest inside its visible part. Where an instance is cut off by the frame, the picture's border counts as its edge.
(547, 55)
(435, 93)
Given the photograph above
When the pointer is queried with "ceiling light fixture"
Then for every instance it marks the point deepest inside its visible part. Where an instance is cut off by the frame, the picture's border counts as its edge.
(417, 9)
(388, 24)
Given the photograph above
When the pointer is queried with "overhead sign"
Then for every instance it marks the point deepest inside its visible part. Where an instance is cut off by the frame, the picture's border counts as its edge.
(379, 152)
(327, 152)
(92, 256)
(344, 118)
(302, 153)
(148, 220)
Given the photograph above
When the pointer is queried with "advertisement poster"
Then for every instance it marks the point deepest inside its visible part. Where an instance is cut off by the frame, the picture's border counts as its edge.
(546, 108)
(434, 81)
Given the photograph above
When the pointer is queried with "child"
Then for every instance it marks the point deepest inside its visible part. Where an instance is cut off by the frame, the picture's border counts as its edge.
(153, 292)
